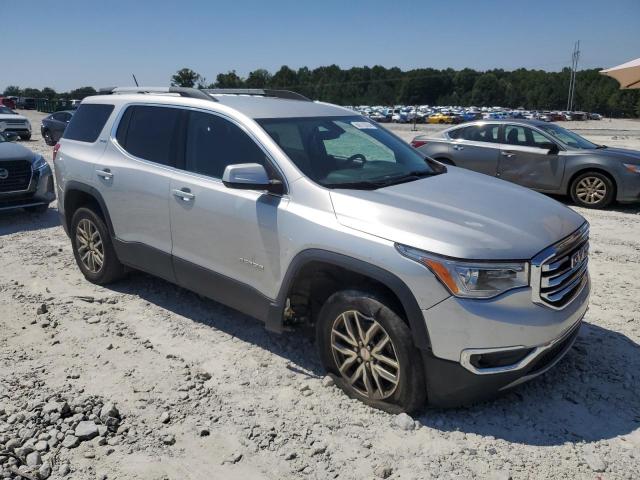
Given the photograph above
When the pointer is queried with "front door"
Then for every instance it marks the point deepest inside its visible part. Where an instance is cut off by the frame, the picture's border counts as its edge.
(226, 242)
(525, 159)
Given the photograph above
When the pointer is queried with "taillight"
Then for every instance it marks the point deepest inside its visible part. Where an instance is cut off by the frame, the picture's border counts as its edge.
(55, 151)
(418, 143)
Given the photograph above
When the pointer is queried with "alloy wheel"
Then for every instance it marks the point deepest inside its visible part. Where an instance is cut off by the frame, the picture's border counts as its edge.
(365, 355)
(89, 245)
(591, 190)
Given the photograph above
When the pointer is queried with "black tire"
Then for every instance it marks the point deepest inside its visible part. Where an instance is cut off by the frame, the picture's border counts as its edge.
(48, 139)
(409, 393)
(446, 161)
(25, 137)
(111, 268)
(38, 209)
(601, 197)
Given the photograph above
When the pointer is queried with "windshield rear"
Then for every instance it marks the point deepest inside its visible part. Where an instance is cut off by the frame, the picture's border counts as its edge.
(567, 137)
(347, 152)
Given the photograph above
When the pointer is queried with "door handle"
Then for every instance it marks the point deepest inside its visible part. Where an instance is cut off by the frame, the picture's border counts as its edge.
(183, 194)
(106, 174)
(458, 147)
(507, 154)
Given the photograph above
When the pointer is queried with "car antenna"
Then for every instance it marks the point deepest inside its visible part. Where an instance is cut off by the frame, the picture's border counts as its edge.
(134, 79)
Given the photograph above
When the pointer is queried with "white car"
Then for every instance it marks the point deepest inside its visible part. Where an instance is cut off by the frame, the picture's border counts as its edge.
(11, 122)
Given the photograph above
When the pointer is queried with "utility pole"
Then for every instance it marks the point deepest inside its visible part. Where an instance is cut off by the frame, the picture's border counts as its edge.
(572, 79)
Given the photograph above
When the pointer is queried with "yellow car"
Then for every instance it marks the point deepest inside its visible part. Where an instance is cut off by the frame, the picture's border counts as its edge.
(440, 118)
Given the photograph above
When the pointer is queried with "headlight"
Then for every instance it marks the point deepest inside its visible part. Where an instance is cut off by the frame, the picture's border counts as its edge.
(28, 124)
(39, 163)
(471, 279)
(632, 167)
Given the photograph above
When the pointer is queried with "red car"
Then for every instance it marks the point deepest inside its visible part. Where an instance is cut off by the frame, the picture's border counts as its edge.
(8, 102)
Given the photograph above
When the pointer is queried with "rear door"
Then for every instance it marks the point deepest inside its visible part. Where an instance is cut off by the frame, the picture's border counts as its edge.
(134, 176)
(476, 147)
(525, 159)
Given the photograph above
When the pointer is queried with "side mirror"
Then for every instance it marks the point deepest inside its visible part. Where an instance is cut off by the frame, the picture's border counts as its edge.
(248, 176)
(552, 147)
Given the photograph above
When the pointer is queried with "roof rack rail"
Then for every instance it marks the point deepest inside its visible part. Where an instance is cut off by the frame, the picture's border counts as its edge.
(182, 91)
(263, 92)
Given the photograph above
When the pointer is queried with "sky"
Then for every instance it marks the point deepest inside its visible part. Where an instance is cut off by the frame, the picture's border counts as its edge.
(67, 44)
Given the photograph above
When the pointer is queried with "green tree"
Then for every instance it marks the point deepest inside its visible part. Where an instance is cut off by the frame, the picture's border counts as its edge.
(259, 78)
(82, 92)
(185, 77)
(49, 93)
(31, 92)
(229, 80)
(487, 90)
(12, 91)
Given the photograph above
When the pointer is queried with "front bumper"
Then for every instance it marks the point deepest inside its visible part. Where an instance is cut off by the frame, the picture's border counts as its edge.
(452, 385)
(527, 338)
(628, 188)
(40, 192)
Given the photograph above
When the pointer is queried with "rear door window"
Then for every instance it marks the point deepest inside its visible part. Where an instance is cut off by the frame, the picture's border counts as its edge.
(150, 132)
(481, 133)
(88, 122)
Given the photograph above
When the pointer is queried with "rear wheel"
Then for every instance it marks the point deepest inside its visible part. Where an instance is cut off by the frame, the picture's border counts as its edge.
(93, 249)
(592, 190)
(48, 139)
(370, 350)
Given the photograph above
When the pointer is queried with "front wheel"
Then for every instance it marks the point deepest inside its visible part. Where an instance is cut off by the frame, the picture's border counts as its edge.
(25, 137)
(370, 350)
(592, 190)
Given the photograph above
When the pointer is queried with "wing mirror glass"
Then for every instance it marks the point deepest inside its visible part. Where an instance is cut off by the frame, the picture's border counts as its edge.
(552, 147)
(249, 176)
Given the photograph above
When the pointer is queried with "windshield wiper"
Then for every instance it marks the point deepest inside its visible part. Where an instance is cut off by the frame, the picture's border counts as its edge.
(407, 177)
(364, 185)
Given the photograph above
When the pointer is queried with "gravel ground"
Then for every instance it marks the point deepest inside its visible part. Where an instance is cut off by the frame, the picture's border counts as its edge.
(144, 380)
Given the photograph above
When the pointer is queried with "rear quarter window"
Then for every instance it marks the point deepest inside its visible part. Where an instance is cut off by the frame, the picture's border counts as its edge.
(88, 122)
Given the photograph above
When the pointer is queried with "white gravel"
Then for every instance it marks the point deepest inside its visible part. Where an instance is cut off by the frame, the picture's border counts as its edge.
(205, 392)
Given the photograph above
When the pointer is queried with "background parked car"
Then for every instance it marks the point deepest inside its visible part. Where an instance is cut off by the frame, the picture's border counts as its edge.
(541, 156)
(10, 121)
(54, 125)
(8, 102)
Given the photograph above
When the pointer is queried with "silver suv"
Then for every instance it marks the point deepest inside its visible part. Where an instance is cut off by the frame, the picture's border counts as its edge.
(423, 282)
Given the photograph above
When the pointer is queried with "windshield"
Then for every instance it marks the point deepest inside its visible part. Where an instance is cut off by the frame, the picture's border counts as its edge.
(3, 138)
(6, 111)
(347, 152)
(568, 137)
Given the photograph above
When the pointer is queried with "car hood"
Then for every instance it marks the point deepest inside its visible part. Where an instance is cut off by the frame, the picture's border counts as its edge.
(11, 116)
(460, 214)
(14, 151)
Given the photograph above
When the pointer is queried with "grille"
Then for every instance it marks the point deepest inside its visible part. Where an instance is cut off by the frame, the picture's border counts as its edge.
(559, 273)
(14, 122)
(18, 178)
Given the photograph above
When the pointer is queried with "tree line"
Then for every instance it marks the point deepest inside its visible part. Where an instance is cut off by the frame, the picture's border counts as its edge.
(531, 89)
